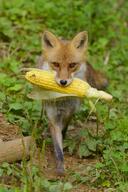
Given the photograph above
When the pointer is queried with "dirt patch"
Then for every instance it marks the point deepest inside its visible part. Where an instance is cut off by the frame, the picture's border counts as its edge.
(76, 169)
(8, 131)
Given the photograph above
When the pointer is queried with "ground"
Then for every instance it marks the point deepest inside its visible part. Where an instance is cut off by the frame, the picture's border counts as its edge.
(46, 162)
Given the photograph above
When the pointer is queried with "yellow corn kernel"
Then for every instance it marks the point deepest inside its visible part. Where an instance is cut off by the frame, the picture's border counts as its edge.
(79, 88)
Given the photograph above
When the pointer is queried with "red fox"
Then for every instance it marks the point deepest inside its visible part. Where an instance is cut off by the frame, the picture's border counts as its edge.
(68, 60)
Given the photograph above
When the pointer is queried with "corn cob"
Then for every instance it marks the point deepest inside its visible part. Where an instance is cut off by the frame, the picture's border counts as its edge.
(79, 88)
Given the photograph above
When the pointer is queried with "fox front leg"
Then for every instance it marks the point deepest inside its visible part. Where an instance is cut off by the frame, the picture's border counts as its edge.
(56, 134)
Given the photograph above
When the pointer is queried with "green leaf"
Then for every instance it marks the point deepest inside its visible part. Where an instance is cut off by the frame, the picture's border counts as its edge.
(124, 167)
(91, 143)
(67, 186)
(83, 151)
(2, 96)
(106, 183)
(99, 165)
(1, 172)
(16, 87)
(15, 106)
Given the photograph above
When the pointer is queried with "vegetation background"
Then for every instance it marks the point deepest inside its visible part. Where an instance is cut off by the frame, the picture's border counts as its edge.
(21, 25)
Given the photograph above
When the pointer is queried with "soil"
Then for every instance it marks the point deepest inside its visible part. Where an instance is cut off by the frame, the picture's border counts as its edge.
(8, 131)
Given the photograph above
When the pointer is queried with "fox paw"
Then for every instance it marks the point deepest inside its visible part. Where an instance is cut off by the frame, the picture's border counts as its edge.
(60, 171)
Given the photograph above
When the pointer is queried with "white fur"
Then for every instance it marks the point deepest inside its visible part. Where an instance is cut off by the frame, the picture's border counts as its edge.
(81, 72)
(45, 66)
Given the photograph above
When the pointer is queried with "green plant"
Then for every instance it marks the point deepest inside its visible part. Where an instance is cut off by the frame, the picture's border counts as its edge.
(21, 25)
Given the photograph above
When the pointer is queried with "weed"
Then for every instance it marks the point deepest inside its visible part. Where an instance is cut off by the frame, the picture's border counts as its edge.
(21, 25)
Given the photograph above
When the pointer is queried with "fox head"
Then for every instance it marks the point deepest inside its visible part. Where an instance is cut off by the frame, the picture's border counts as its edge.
(64, 57)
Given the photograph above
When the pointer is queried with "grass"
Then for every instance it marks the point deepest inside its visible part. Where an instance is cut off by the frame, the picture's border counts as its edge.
(21, 25)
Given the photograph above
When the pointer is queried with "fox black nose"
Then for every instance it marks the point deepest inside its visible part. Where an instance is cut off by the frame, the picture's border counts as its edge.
(63, 82)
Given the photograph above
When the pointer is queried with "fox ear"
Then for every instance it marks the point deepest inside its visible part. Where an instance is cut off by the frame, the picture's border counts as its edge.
(80, 40)
(49, 40)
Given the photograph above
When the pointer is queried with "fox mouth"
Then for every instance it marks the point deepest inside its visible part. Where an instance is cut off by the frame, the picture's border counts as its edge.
(66, 84)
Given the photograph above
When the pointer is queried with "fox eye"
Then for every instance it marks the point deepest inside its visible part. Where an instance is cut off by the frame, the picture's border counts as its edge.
(55, 64)
(72, 65)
